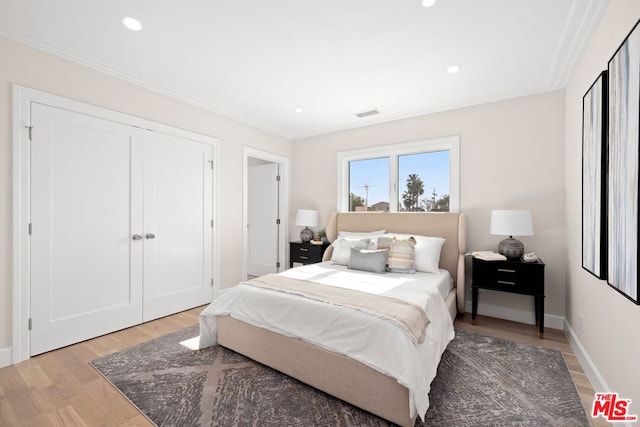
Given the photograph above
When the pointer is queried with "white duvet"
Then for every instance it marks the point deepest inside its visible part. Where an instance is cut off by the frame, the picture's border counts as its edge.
(376, 342)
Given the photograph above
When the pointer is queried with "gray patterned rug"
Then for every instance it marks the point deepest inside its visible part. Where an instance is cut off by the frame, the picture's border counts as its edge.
(481, 381)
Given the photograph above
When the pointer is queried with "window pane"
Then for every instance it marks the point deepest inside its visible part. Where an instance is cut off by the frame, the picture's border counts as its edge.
(423, 181)
(369, 184)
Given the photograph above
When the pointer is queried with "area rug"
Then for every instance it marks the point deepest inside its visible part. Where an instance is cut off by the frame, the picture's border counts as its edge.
(481, 381)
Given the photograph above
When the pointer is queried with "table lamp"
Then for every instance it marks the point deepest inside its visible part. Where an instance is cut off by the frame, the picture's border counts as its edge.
(511, 223)
(307, 218)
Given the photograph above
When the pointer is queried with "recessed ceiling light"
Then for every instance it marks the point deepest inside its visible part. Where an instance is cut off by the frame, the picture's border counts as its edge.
(428, 3)
(131, 23)
(299, 110)
(453, 69)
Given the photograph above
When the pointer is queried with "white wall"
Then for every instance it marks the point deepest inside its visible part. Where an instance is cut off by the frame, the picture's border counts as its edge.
(35, 69)
(611, 322)
(512, 156)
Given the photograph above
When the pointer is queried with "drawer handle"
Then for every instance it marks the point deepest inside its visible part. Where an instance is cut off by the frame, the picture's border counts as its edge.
(506, 282)
(506, 270)
(304, 250)
(304, 257)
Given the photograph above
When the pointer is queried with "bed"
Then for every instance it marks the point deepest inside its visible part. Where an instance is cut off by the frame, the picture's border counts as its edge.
(340, 356)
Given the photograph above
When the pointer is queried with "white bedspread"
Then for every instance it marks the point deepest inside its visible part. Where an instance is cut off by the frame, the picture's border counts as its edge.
(371, 340)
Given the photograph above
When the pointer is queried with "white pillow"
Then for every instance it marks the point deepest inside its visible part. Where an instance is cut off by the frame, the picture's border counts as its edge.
(427, 251)
(362, 235)
(342, 248)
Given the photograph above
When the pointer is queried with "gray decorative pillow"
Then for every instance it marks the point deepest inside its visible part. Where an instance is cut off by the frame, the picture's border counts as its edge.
(384, 242)
(342, 246)
(374, 261)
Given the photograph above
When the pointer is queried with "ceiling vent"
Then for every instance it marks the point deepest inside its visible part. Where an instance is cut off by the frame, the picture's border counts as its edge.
(367, 113)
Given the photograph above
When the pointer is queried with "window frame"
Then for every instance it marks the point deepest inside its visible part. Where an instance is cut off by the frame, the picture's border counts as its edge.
(393, 151)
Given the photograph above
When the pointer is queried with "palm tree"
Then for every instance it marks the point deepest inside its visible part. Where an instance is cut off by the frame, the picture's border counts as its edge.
(415, 189)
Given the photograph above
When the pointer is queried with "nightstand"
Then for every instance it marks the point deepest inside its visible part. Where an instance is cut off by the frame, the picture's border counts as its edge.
(514, 276)
(306, 253)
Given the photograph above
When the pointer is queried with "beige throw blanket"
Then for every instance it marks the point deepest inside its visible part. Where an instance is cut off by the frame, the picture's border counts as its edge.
(408, 316)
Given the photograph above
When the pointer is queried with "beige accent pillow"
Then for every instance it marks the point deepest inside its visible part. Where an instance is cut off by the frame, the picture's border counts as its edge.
(402, 256)
(427, 251)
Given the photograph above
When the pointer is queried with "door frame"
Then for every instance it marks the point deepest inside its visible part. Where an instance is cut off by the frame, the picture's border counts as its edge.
(22, 99)
(283, 163)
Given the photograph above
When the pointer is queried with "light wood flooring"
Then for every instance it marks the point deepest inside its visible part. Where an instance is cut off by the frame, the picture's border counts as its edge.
(60, 388)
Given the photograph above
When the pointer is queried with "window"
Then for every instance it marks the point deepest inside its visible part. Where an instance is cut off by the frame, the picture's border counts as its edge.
(369, 184)
(419, 176)
(423, 180)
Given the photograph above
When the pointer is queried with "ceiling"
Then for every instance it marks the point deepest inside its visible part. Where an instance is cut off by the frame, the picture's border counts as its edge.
(256, 61)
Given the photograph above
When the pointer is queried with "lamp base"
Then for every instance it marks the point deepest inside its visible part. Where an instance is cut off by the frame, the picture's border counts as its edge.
(306, 235)
(511, 248)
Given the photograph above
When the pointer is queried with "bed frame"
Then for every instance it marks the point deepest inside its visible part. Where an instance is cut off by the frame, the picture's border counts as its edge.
(336, 374)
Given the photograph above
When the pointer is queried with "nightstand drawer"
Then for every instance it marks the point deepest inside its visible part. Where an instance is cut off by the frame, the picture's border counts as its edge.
(302, 253)
(508, 276)
(306, 253)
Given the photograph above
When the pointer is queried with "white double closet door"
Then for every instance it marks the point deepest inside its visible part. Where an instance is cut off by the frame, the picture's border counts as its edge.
(121, 226)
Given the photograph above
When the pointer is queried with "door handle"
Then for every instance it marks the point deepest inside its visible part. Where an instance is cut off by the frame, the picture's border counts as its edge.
(150, 236)
(136, 237)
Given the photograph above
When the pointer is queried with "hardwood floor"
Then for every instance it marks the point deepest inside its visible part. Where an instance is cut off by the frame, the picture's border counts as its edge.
(60, 388)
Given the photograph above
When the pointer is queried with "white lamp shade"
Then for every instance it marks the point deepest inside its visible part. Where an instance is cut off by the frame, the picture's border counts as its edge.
(511, 223)
(307, 218)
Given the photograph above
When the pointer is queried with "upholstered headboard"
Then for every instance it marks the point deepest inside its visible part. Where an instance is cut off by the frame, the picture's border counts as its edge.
(449, 225)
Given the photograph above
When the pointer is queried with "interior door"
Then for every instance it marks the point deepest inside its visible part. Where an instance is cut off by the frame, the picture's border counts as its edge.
(86, 203)
(262, 215)
(178, 225)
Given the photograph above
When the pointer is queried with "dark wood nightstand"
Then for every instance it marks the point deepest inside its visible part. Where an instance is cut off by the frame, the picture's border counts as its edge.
(513, 276)
(306, 253)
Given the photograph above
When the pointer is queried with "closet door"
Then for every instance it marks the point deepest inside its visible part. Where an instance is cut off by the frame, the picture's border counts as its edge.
(177, 224)
(86, 204)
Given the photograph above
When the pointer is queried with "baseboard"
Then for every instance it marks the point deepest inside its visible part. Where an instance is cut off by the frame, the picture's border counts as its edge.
(590, 369)
(554, 322)
(522, 316)
(5, 357)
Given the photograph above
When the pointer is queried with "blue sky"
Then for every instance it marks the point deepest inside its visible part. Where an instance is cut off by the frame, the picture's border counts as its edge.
(432, 168)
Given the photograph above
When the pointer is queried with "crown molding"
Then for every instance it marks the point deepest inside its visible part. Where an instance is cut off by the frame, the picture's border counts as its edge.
(107, 69)
(575, 35)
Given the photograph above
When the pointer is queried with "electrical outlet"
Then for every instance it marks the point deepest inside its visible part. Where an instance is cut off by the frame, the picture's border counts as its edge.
(581, 323)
